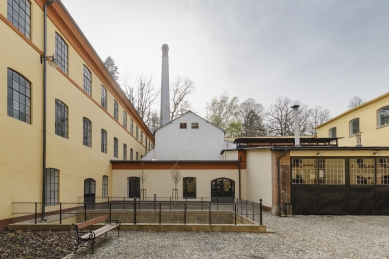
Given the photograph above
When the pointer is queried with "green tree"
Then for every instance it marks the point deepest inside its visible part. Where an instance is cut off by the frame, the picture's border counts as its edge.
(222, 111)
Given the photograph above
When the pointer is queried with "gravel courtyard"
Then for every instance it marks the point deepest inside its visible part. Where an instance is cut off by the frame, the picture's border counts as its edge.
(295, 237)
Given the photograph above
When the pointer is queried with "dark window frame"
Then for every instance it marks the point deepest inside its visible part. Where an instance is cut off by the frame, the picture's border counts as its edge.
(105, 187)
(104, 138)
(115, 110)
(87, 84)
(183, 125)
(115, 147)
(61, 119)
(195, 125)
(61, 53)
(18, 96)
(124, 151)
(137, 132)
(355, 126)
(131, 154)
(189, 182)
(124, 119)
(332, 132)
(87, 132)
(52, 187)
(19, 14)
(383, 120)
(104, 94)
(131, 127)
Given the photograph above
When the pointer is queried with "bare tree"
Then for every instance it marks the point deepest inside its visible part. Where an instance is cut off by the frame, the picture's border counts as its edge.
(109, 63)
(251, 116)
(355, 101)
(141, 94)
(176, 174)
(180, 89)
(317, 117)
(234, 129)
(142, 175)
(280, 120)
(222, 111)
(154, 122)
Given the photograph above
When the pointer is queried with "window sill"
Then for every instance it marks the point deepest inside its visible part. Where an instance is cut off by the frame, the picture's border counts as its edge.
(384, 126)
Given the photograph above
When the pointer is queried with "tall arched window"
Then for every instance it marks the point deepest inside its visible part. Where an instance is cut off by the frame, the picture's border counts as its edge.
(103, 97)
(115, 147)
(354, 127)
(51, 190)
(19, 13)
(105, 187)
(61, 53)
(87, 81)
(103, 141)
(383, 116)
(87, 132)
(18, 96)
(61, 119)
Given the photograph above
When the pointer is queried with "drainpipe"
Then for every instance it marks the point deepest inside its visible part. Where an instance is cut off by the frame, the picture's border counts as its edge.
(279, 180)
(296, 125)
(44, 104)
(239, 181)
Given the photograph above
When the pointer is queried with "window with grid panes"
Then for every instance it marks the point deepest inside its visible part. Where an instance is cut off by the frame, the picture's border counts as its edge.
(136, 132)
(19, 14)
(304, 171)
(124, 152)
(332, 171)
(383, 171)
(141, 137)
(51, 188)
(189, 187)
(354, 127)
(115, 147)
(61, 53)
(103, 141)
(182, 125)
(105, 187)
(383, 116)
(18, 96)
(87, 132)
(125, 120)
(131, 154)
(332, 133)
(103, 97)
(115, 110)
(137, 156)
(61, 119)
(132, 127)
(87, 81)
(362, 170)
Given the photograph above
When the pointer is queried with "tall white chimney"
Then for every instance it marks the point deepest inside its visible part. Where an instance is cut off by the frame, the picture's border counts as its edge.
(165, 96)
(296, 125)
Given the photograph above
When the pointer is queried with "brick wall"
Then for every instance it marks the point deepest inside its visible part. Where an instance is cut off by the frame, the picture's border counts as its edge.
(284, 181)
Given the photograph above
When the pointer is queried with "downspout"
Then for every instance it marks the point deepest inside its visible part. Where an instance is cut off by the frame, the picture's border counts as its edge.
(44, 105)
(279, 180)
(239, 181)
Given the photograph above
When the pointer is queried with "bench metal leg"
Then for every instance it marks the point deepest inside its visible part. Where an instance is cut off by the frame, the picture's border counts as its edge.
(118, 231)
(93, 246)
(75, 251)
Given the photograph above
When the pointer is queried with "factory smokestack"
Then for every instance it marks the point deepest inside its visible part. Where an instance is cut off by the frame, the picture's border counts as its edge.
(296, 125)
(165, 96)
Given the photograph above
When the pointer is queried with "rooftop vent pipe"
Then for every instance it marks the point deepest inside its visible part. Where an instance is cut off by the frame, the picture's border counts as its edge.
(296, 125)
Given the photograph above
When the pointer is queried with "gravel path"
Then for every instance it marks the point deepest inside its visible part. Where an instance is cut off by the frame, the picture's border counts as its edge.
(296, 237)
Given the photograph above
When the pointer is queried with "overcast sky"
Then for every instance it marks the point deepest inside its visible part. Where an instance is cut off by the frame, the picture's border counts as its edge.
(319, 52)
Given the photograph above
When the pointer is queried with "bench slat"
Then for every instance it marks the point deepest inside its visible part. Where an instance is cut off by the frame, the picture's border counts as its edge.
(91, 222)
(100, 231)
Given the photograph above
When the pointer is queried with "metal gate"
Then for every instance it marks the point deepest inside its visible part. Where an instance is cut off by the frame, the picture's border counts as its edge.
(90, 193)
(133, 187)
(338, 186)
(223, 190)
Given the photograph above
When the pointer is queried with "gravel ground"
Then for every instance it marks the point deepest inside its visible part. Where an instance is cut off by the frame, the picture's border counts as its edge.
(296, 237)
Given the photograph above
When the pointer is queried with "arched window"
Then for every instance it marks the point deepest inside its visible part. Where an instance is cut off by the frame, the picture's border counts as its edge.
(131, 154)
(115, 147)
(61, 53)
(87, 132)
(103, 141)
(383, 116)
(124, 119)
(124, 152)
(18, 96)
(332, 132)
(61, 119)
(51, 190)
(87, 81)
(189, 187)
(115, 109)
(19, 13)
(103, 97)
(105, 187)
(354, 127)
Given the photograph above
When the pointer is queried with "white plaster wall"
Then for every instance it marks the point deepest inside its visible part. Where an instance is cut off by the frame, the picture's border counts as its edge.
(230, 155)
(173, 143)
(159, 182)
(259, 177)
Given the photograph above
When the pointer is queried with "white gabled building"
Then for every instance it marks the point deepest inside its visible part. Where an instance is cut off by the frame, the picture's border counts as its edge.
(188, 137)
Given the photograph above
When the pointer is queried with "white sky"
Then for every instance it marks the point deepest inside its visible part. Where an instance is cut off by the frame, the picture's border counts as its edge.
(320, 52)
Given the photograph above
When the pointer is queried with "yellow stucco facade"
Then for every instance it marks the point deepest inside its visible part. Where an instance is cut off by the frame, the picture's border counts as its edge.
(372, 134)
(21, 142)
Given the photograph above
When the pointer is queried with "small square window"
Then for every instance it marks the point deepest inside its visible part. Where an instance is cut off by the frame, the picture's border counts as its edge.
(195, 125)
(182, 125)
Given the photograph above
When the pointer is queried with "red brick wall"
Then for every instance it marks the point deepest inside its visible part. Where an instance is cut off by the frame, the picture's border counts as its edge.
(284, 179)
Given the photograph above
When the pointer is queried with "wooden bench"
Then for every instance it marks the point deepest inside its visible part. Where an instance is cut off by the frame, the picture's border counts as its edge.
(91, 235)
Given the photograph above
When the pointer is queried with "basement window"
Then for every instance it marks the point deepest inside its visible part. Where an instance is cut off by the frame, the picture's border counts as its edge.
(182, 125)
(195, 125)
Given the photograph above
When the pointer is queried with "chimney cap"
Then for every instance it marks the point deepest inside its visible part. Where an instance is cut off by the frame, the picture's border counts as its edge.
(296, 106)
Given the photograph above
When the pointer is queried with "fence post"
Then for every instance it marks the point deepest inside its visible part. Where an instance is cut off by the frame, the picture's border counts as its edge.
(170, 203)
(201, 203)
(247, 212)
(60, 213)
(160, 214)
(185, 213)
(235, 214)
(241, 209)
(134, 210)
(210, 219)
(260, 211)
(84, 211)
(108, 203)
(36, 212)
(110, 212)
(217, 204)
(124, 203)
(155, 200)
(253, 211)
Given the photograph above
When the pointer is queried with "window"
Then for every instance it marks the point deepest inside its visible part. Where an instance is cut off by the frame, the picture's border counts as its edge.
(332, 133)
(51, 189)
(304, 171)
(141, 137)
(105, 187)
(103, 141)
(182, 125)
(61, 53)
(61, 119)
(131, 154)
(383, 171)
(332, 171)
(87, 81)
(189, 187)
(19, 13)
(383, 116)
(137, 132)
(362, 171)
(103, 97)
(132, 127)
(115, 147)
(125, 120)
(137, 156)
(87, 132)
(354, 127)
(141, 157)
(115, 110)
(195, 125)
(124, 152)
(18, 96)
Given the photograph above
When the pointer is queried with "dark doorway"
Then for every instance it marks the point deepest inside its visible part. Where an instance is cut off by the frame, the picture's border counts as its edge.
(189, 190)
(223, 190)
(133, 187)
(89, 193)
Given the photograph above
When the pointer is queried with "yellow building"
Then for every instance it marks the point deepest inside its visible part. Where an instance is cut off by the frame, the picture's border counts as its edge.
(89, 121)
(371, 119)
